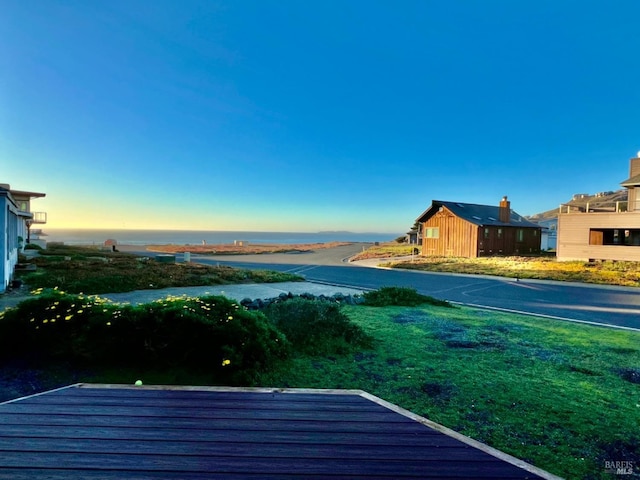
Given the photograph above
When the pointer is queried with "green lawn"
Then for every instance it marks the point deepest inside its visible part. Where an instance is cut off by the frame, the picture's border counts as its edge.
(557, 395)
(543, 267)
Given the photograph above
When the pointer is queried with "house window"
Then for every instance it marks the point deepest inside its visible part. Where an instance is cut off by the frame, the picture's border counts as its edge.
(535, 233)
(499, 233)
(12, 233)
(520, 235)
(614, 236)
(432, 232)
(486, 233)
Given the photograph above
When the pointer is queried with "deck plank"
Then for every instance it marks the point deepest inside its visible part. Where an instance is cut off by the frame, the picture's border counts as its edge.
(417, 438)
(189, 402)
(238, 449)
(277, 396)
(202, 412)
(231, 424)
(68, 474)
(489, 468)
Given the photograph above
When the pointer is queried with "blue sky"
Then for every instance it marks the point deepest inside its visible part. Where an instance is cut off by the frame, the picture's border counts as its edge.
(312, 115)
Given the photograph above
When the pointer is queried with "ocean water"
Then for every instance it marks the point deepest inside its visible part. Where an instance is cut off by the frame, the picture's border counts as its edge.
(188, 237)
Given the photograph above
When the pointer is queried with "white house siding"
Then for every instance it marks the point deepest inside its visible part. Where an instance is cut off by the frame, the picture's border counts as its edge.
(9, 258)
(13, 223)
(574, 234)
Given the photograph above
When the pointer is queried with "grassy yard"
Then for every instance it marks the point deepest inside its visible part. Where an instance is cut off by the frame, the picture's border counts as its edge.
(542, 267)
(92, 271)
(387, 250)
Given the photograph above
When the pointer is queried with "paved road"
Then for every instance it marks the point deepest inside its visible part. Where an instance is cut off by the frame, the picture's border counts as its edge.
(618, 306)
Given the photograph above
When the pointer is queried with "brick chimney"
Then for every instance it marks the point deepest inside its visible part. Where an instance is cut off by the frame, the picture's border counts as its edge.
(505, 210)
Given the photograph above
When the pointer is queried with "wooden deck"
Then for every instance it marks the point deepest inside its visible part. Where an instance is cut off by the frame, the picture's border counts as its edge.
(117, 432)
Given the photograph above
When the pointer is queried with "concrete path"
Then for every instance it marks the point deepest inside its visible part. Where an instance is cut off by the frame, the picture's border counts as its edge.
(236, 292)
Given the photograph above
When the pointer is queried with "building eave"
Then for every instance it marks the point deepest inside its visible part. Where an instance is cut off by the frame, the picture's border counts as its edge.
(22, 194)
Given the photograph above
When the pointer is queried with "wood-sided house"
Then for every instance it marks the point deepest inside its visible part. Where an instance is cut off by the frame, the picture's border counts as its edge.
(456, 229)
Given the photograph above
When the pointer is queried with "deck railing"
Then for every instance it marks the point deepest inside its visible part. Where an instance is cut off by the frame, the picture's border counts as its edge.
(595, 207)
(38, 217)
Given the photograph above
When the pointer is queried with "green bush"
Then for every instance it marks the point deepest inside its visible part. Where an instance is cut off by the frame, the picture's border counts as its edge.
(209, 332)
(51, 324)
(316, 327)
(212, 334)
(400, 296)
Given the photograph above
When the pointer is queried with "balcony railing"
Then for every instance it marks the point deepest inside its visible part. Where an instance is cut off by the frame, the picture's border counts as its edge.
(38, 217)
(595, 207)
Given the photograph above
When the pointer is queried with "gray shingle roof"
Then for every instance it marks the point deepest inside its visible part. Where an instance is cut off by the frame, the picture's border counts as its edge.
(631, 182)
(481, 215)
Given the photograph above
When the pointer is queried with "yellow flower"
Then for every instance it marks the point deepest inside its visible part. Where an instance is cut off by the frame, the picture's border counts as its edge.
(226, 362)
(230, 317)
(108, 324)
(68, 317)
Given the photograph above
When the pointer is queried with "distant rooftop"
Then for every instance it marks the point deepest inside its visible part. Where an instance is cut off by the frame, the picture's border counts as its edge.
(477, 214)
(21, 193)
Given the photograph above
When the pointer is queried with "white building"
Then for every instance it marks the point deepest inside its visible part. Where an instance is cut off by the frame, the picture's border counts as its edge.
(16, 219)
(549, 239)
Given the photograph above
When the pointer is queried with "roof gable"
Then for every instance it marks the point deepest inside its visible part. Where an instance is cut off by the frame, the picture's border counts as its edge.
(631, 182)
(481, 215)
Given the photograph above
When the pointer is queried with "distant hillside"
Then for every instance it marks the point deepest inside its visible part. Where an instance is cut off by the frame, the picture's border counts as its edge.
(581, 199)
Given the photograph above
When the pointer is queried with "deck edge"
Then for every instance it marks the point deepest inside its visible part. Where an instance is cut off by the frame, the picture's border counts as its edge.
(205, 388)
(463, 438)
(73, 385)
